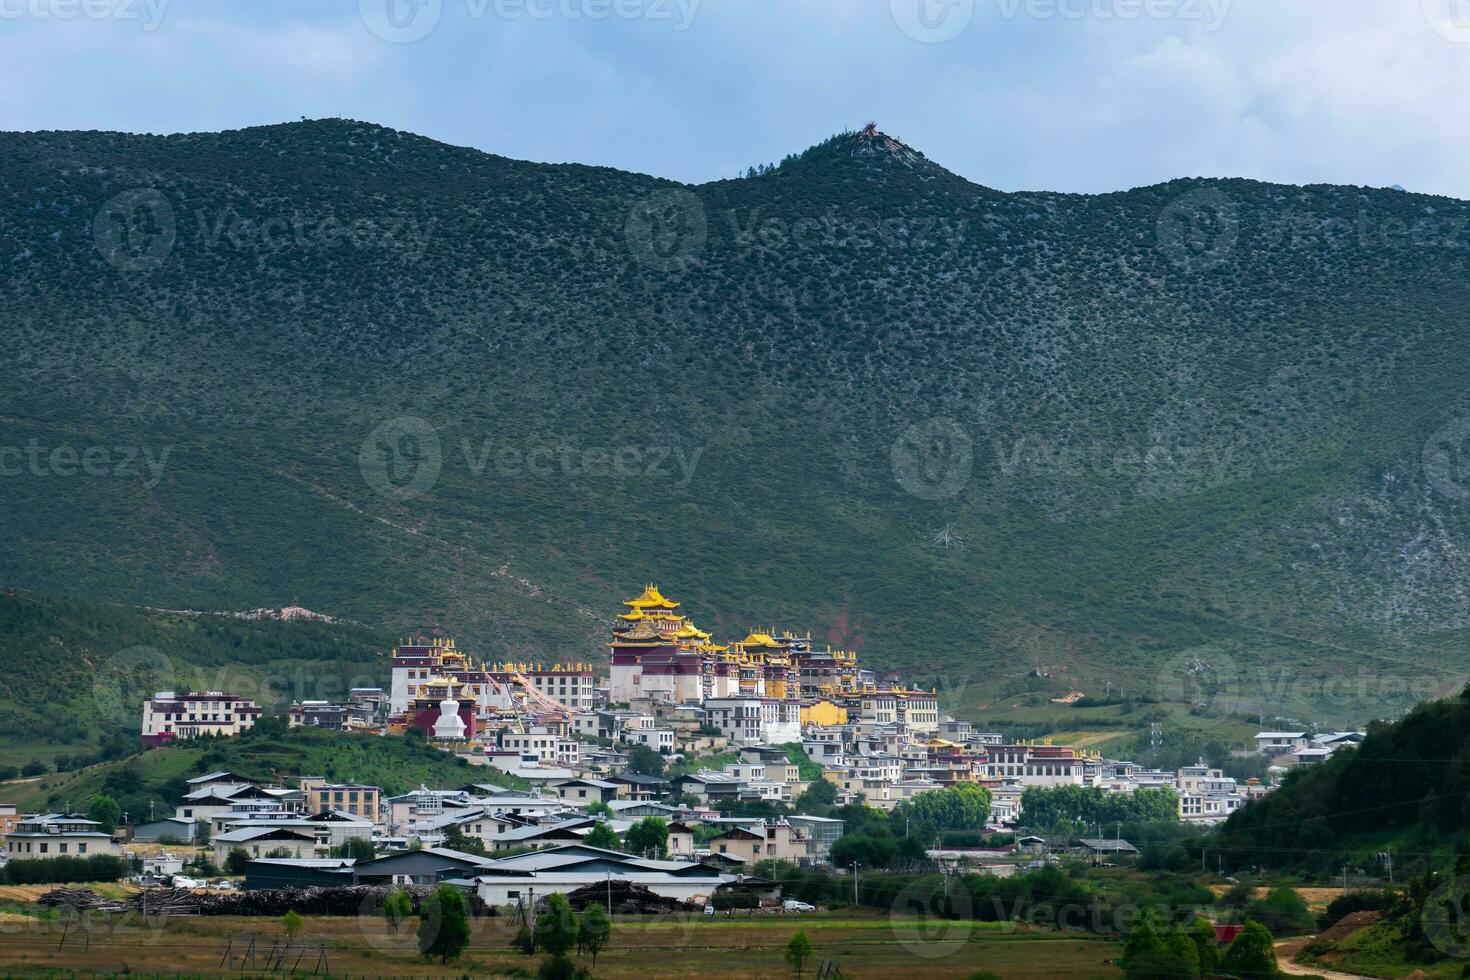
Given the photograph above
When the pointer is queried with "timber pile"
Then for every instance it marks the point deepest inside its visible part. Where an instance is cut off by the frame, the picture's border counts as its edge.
(349, 900)
(628, 897)
(80, 899)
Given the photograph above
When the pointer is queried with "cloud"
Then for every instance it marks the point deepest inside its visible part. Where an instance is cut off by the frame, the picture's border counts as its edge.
(1358, 91)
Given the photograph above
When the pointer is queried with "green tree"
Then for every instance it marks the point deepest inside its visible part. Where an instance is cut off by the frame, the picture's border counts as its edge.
(597, 808)
(1251, 955)
(105, 811)
(1181, 956)
(1282, 912)
(1202, 933)
(962, 807)
(357, 848)
(602, 836)
(798, 951)
(818, 798)
(648, 836)
(593, 931)
(444, 924)
(645, 761)
(1143, 951)
(291, 922)
(456, 839)
(397, 906)
(556, 926)
(236, 860)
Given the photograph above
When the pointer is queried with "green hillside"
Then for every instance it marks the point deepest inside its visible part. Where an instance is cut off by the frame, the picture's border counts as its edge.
(1405, 788)
(76, 673)
(272, 753)
(963, 431)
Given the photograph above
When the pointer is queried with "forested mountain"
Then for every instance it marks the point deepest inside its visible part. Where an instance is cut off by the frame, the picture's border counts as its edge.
(960, 430)
(1405, 790)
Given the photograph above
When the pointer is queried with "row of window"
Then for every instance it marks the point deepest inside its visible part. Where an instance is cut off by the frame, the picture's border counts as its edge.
(15, 847)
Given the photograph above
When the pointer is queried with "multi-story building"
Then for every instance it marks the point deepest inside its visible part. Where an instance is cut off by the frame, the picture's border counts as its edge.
(317, 714)
(547, 744)
(354, 798)
(658, 653)
(1035, 765)
(489, 687)
(169, 717)
(52, 835)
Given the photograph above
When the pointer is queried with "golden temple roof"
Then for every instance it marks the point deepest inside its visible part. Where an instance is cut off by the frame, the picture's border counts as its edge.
(651, 597)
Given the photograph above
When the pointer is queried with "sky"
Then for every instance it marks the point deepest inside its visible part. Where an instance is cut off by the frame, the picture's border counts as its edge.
(1068, 95)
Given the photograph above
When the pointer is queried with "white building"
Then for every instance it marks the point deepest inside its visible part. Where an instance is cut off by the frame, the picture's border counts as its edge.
(755, 721)
(170, 717)
(1280, 743)
(51, 835)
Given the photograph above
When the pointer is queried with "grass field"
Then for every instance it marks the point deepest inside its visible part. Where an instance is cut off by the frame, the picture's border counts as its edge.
(861, 945)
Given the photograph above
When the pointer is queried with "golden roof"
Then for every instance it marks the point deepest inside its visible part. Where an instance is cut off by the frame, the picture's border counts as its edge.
(650, 597)
(759, 640)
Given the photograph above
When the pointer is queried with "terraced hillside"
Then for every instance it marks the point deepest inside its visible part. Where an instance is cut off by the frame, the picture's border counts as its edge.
(1203, 434)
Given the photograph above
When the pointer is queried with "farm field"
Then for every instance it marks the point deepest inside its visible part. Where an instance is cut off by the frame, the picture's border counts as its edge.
(860, 945)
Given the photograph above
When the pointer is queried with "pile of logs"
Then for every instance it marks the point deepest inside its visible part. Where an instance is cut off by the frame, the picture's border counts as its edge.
(628, 897)
(80, 899)
(352, 900)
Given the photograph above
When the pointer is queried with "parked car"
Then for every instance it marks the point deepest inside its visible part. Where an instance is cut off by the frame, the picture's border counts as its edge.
(792, 905)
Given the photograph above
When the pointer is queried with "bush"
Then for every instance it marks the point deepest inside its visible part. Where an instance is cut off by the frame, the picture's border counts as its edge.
(97, 867)
(236, 860)
(1251, 954)
(1282, 912)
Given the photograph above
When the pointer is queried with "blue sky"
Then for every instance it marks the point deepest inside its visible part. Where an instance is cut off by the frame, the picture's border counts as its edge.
(1077, 95)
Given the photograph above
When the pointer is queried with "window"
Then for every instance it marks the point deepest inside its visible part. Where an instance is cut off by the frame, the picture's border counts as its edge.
(81, 848)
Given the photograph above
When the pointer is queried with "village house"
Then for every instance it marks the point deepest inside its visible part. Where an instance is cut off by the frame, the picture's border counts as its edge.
(50, 835)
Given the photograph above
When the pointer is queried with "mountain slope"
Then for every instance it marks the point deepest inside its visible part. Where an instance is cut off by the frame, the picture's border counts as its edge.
(962, 430)
(77, 672)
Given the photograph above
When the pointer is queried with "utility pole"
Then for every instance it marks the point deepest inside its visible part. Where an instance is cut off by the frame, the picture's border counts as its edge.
(609, 893)
(855, 867)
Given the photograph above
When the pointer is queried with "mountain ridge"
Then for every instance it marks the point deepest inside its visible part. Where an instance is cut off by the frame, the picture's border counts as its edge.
(975, 429)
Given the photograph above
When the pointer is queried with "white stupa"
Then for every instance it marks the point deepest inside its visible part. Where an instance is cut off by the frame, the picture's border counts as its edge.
(449, 724)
